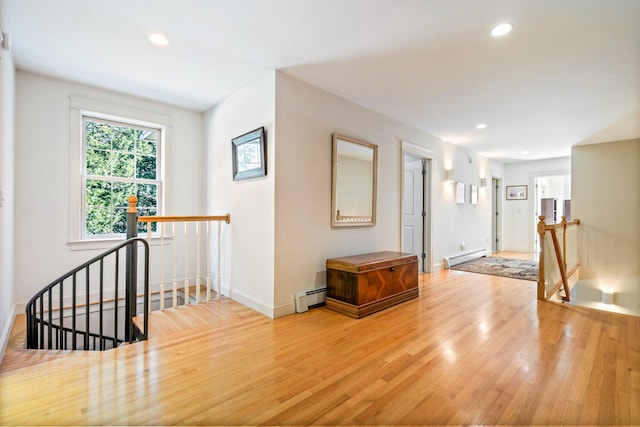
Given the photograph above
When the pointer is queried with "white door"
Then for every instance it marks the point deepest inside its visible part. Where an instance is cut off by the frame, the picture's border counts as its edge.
(413, 208)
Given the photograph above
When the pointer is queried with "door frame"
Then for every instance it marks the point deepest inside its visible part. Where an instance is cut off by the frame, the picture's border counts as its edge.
(426, 155)
(496, 219)
(534, 177)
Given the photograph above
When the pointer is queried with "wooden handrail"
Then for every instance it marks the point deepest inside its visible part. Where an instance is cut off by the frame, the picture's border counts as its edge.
(133, 201)
(561, 257)
(226, 218)
(561, 224)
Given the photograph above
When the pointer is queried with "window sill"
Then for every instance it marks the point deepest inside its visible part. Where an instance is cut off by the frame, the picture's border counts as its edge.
(104, 244)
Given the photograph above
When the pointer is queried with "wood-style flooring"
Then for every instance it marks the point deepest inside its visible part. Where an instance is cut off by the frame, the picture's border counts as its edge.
(472, 349)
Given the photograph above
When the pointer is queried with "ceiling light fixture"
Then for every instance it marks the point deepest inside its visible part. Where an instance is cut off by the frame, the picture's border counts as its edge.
(524, 152)
(481, 126)
(158, 39)
(501, 30)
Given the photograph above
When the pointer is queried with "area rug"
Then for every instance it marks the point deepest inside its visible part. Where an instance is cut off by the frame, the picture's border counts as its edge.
(506, 267)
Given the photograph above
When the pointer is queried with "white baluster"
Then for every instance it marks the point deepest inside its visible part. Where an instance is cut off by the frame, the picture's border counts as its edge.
(149, 227)
(198, 262)
(219, 274)
(175, 265)
(162, 265)
(208, 260)
(186, 263)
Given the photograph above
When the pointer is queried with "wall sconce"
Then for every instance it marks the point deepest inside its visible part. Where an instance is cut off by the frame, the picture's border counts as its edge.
(483, 182)
(607, 297)
(448, 175)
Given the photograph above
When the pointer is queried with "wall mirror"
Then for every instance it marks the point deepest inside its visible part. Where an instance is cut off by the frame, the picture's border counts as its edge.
(353, 184)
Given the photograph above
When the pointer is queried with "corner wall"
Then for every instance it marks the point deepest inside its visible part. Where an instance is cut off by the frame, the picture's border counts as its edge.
(7, 156)
(605, 182)
(249, 240)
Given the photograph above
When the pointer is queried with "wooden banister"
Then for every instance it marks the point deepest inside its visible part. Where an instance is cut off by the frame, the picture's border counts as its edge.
(133, 201)
(560, 256)
(226, 218)
(201, 238)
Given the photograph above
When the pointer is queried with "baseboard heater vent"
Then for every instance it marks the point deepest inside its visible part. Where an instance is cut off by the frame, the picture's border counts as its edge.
(309, 299)
(459, 259)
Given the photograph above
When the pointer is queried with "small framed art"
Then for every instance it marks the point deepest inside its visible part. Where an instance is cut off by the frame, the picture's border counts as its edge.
(249, 155)
(516, 192)
(460, 190)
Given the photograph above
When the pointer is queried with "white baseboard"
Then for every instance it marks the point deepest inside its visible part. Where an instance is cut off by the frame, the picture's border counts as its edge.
(438, 266)
(284, 310)
(270, 311)
(249, 301)
(6, 333)
(516, 249)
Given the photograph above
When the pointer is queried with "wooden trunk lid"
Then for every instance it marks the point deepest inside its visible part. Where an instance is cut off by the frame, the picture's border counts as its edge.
(371, 261)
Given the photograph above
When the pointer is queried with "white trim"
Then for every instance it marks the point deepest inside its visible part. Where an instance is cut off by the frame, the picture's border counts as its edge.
(78, 107)
(284, 309)
(428, 155)
(122, 111)
(252, 303)
(412, 148)
(6, 332)
(533, 220)
(95, 244)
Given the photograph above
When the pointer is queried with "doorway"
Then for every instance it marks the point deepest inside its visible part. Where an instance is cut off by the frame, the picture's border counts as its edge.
(496, 214)
(552, 198)
(416, 206)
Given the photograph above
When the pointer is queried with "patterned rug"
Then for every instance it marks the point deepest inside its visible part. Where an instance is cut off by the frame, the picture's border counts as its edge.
(507, 267)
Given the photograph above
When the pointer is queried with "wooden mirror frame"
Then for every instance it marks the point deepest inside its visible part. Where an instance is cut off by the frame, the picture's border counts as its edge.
(352, 219)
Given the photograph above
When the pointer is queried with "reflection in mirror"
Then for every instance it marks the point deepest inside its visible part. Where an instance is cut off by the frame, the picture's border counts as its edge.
(353, 190)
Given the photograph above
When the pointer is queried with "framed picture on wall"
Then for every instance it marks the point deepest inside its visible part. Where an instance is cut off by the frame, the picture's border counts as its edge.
(249, 155)
(460, 190)
(516, 192)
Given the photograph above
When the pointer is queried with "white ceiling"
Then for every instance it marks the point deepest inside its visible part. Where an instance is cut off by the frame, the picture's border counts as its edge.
(568, 73)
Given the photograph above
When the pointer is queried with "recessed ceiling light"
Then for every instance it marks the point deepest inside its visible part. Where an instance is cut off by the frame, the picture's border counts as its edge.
(501, 30)
(158, 39)
(481, 126)
(524, 152)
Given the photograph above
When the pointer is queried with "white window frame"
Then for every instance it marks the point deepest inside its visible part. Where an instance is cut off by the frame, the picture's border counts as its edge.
(79, 109)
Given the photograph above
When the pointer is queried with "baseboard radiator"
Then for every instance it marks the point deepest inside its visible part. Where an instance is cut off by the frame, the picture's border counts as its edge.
(309, 299)
(459, 259)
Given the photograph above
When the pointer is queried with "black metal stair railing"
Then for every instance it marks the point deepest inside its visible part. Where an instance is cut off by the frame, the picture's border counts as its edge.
(90, 316)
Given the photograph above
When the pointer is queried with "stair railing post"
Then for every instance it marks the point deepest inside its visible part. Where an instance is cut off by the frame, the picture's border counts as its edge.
(131, 281)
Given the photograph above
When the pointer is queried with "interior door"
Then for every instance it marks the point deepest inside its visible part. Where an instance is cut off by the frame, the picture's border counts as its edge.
(413, 208)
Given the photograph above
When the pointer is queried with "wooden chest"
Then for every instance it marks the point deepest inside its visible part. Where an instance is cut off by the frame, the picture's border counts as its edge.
(363, 284)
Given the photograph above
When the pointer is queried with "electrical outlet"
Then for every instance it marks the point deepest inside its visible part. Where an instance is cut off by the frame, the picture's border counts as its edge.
(462, 246)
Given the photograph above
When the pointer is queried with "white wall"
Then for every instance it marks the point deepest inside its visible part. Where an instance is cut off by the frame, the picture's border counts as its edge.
(7, 149)
(280, 234)
(249, 240)
(43, 173)
(306, 118)
(518, 218)
(606, 199)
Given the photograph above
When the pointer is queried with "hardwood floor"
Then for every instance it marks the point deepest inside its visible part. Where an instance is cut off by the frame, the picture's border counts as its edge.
(472, 349)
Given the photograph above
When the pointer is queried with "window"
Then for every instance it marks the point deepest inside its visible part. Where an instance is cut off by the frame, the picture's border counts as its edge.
(120, 158)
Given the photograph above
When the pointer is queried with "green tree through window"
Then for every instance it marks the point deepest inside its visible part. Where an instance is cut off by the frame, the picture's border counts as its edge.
(120, 160)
